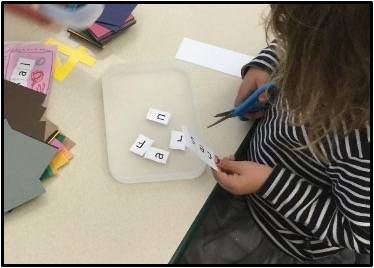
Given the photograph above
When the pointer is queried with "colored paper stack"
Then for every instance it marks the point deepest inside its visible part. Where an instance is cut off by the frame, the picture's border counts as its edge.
(34, 148)
(115, 19)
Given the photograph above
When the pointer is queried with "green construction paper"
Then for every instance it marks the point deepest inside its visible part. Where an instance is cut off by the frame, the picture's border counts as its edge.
(25, 160)
(47, 173)
(60, 137)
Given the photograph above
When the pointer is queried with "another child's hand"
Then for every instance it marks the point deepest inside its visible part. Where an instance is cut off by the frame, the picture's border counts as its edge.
(240, 177)
(252, 80)
(30, 11)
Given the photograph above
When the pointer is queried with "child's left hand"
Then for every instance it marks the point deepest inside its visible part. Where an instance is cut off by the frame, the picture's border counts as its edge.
(240, 177)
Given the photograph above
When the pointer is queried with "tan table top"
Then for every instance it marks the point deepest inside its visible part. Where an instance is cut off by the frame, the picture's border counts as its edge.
(86, 216)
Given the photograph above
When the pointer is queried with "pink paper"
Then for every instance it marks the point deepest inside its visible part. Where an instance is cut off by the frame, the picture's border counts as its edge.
(42, 56)
(100, 31)
(56, 143)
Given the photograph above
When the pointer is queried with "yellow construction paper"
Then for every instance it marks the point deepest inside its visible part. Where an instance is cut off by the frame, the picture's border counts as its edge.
(67, 153)
(58, 161)
(75, 55)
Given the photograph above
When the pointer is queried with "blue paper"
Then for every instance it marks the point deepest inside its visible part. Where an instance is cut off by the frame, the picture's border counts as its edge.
(114, 15)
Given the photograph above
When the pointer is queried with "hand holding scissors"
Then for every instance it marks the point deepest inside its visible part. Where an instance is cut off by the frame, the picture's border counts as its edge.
(250, 105)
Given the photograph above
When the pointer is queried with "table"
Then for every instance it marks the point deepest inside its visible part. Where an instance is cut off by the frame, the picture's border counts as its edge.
(87, 217)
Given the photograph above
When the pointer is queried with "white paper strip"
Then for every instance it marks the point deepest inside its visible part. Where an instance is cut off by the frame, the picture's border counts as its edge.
(141, 145)
(20, 74)
(158, 116)
(157, 155)
(177, 140)
(216, 58)
(26, 64)
(204, 152)
(22, 71)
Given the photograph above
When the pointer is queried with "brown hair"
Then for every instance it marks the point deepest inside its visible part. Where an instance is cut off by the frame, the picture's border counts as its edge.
(324, 70)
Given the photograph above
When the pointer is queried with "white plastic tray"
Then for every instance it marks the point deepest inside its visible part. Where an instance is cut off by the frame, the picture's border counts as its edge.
(128, 92)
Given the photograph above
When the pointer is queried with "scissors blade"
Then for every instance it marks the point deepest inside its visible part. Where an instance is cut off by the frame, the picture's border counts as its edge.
(228, 113)
(220, 120)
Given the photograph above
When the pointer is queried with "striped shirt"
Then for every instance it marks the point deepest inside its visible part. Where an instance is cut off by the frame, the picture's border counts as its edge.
(306, 207)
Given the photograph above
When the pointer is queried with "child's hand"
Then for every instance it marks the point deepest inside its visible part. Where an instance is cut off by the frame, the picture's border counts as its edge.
(240, 177)
(252, 80)
(30, 11)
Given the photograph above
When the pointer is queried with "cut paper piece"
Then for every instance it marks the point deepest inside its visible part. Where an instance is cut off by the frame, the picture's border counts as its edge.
(141, 145)
(158, 116)
(69, 144)
(22, 70)
(67, 153)
(26, 64)
(58, 161)
(177, 140)
(38, 75)
(23, 111)
(61, 148)
(216, 58)
(20, 75)
(75, 55)
(25, 160)
(48, 172)
(56, 143)
(204, 152)
(157, 155)
(66, 143)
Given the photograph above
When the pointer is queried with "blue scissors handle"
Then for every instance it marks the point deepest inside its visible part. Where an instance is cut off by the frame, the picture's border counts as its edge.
(251, 104)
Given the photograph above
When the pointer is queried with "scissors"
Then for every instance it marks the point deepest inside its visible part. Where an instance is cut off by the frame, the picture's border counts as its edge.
(250, 105)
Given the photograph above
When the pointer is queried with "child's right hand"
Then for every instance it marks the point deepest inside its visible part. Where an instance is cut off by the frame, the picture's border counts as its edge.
(30, 11)
(253, 79)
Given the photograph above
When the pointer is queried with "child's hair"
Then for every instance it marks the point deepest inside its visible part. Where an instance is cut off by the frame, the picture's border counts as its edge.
(324, 70)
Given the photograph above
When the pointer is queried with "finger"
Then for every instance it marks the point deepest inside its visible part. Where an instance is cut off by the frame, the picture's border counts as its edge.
(218, 174)
(263, 98)
(240, 98)
(215, 171)
(29, 11)
(231, 166)
(232, 157)
(255, 115)
(231, 183)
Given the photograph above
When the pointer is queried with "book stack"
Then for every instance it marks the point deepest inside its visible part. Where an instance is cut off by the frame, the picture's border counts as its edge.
(115, 19)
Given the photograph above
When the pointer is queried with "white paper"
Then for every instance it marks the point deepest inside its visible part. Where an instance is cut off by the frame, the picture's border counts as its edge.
(157, 155)
(158, 116)
(22, 71)
(216, 58)
(204, 152)
(141, 145)
(20, 74)
(24, 63)
(177, 140)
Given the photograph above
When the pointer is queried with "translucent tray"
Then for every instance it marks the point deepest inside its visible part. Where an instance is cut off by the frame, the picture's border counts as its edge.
(129, 90)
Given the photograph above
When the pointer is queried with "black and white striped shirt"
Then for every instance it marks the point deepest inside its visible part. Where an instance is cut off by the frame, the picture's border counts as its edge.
(310, 209)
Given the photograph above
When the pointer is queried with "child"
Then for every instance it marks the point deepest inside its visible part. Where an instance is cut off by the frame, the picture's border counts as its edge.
(306, 174)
